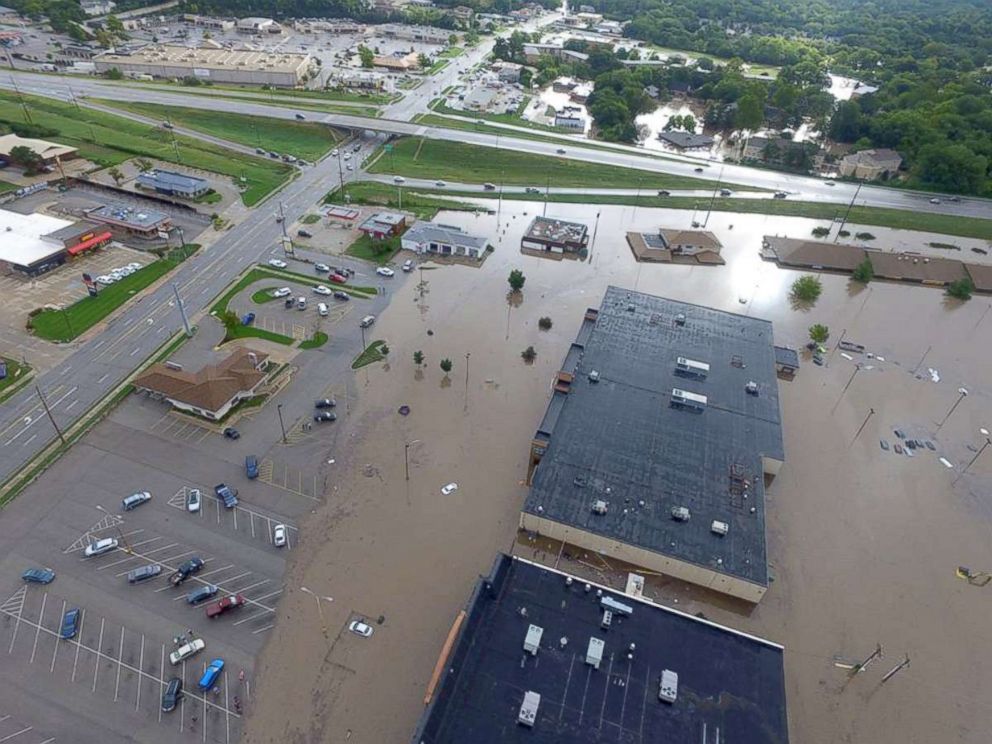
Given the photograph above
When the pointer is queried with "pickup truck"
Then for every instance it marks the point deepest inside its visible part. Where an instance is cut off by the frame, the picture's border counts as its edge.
(227, 494)
(186, 570)
(223, 605)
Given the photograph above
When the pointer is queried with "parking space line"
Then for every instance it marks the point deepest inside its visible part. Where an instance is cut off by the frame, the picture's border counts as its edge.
(161, 681)
(231, 580)
(41, 619)
(96, 666)
(16, 600)
(22, 731)
(252, 586)
(216, 570)
(262, 630)
(55, 651)
(141, 665)
(79, 636)
(249, 618)
(120, 657)
(270, 594)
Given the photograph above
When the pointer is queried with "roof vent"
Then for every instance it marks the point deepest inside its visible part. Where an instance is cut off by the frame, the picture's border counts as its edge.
(680, 513)
(533, 640)
(528, 709)
(751, 388)
(599, 507)
(594, 376)
(680, 319)
(719, 528)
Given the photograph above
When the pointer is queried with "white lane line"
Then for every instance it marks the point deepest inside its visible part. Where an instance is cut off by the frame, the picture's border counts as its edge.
(216, 570)
(41, 619)
(120, 658)
(71, 405)
(30, 439)
(270, 594)
(232, 579)
(161, 681)
(262, 630)
(244, 589)
(136, 350)
(18, 733)
(251, 617)
(65, 369)
(104, 377)
(79, 635)
(141, 665)
(55, 651)
(96, 666)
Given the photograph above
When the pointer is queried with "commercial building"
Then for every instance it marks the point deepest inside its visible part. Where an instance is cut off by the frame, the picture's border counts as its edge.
(383, 225)
(212, 391)
(871, 165)
(509, 72)
(686, 140)
(667, 246)
(238, 66)
(49, 152)
(569, 118)
(36, 243)
(444, 240)
(397, 63)
(131, 221)
(423, 34)
(257, 25)
(555, 236)
(97, 7)
(208, 22)
(173, 183)
(662, 426)
(541, 656)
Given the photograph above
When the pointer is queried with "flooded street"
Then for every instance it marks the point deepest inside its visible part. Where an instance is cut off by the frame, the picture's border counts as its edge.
(863, 543)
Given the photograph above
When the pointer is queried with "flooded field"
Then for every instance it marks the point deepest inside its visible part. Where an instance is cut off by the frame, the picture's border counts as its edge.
(863, 543)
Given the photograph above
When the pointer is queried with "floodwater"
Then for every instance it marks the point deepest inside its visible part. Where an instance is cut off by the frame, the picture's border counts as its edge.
(546, 97)
(863, 544)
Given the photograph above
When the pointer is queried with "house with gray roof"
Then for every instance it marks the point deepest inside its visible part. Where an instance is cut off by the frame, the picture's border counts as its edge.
(444, 240)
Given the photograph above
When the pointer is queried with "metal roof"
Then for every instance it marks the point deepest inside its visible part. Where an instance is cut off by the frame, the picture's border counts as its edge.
(429, 232)
(731, 686)
(158, 178)
(125, 215)
(620, 440)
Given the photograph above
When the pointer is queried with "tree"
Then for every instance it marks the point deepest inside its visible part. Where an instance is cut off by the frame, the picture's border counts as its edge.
(230, 320)
(115, 26)
(845, 124)
(446, 366)
(544, 323)
(143, 165)
(951, 167)
(528, 354)
(750, 113)
(384, 350)
(366, 55)
(452, 39)
(863, 272)
(961, 288)
(819, 333)
(806, 288)
(418, 358)
(27, 158)
(114, 74)
(116, 174)
(424, 61)
(516, 280)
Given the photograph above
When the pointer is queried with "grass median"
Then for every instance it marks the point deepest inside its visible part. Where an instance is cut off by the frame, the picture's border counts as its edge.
(302, 139)
(425, 206)
(416, 157)
(371, 354)
(109, 140)
(18, 374)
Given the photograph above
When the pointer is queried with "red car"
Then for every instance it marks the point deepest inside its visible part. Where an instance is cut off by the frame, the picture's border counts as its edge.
(225, 604)
(338, 279)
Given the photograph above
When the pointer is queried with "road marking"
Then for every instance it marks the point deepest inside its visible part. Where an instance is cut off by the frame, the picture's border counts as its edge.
(249, 618)
(71, 405)
(100, 381)
(111, 520)
(16, 600)
(161, 681)
(216, 570)
(96, 665)
(55, 651)
(120, 658)
(41, 619)
(262, 630)
(22, 731)
(65, 369)
(141, 665)
(79, 636)
(270, 594)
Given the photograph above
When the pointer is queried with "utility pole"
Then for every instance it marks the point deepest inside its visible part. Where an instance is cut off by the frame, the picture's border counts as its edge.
(972, 460)
(68, 323)
(20, 98)
(282, 220)
(857, 368)
(547, 192)
(963, 394)
(406, 455)
(896, 669)
(281, 424)
(182, 310)
(872, 658)
(51, 418)
(919, 363)
(871, 412)
(595, 231)
(848, 212)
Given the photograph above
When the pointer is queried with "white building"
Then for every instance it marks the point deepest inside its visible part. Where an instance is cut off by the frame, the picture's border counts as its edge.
(255, 25)
(444, 240)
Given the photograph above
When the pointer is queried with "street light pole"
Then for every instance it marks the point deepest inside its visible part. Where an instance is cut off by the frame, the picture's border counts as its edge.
(857, 368)
(406, 456)
(320, 611)
(44, 404)
(978, 454)
(963, 394)
(281, 424)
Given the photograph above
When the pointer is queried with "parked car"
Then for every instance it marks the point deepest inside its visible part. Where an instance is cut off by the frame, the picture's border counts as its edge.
(70, 623)
(304, 233)
(359, 628)
(282, 292)
(226, 494)
(384, 271)
(201, 593)
(322, 290)
(279, 535)
(251, 467)
(38, 576)
(231, 433)
(211, 674)
(135, 500)
(225, 604)
(339, 295)
(290, 301)
(321, 268)
(173, 691)
(277, 263)
(301, 303)
(100, 547)
(184, 652)
(185, 570)
(367, 321)
(145, 572)
(334, 153)
(247, 319)
(322, 416)
(193, 500)
(324, 403)
(408, 265)
(322, 309)
(338, 279)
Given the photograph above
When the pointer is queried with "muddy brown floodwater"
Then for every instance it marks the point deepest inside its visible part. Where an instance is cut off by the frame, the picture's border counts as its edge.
(863, 543)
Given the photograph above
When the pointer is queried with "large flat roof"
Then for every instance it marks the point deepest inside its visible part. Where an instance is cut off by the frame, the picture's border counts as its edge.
(731, 686)
(24, 242)
(129, 216)
(621, 441)
(171, 55)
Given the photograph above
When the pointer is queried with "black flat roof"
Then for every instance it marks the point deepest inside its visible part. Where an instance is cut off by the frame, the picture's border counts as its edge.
(621, 441)
(731, 687)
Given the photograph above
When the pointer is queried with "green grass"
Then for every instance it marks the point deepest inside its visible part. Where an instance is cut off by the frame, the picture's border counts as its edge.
(438, 65)
(242, 331)
(264, 273)
(308, 104)
(370, 355)
(109, 140)
(65, 325)
(302, 139)
(211, 197)
(425, 206)
(264, 295)
(318, 339)
(514, 119)
(17, 375)
(428, 158)
(378, 252)
(275, 94)
(310, 219)
(4, 186)
(451, 52)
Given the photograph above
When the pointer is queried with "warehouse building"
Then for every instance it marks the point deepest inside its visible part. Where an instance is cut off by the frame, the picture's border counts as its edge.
(662, 425)
(237, 66)
(555, 236)
(36, 243)
(173, 183)
(540, 656)
(148, 224)
(443, 240)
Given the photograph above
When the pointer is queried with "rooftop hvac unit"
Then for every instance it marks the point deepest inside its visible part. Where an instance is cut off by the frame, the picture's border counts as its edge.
(607, 620)
(681, 513)
(719, 528)
(528, 709)
(594, 653)
(751, 388)
(533, 640)
(599, 507)
(668, 686)
(616, 607)
(686, 399)
(594, 376)
(680, 319)
(692, 367)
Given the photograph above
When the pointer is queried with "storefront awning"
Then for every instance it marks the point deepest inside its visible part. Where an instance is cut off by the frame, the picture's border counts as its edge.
(90, 243)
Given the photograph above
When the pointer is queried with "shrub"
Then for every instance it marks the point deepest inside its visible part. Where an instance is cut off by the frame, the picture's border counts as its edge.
(806, 288)
(864, 272)
(961, 289)
(821, 232)
(544, 323)
(864, 236)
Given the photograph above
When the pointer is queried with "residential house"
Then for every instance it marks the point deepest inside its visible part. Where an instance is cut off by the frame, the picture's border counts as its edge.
(445, 240)
(871, 165)
(686, 140)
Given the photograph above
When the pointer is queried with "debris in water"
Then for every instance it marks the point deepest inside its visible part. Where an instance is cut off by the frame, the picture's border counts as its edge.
(934, 374)
(883, 444)
(848, 357)
(404, 410)
(930, 446)
(898, 448)
(946, 462)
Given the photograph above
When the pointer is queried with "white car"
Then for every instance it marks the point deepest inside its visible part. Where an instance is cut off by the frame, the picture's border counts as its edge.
(385, 271)
(279, 535)
(399, 179)
(277, 263)
(359, 628)
(105, 279)
(134, 265)
(334, 153)
(100, 546)
(351, 167)
(322, 290)
(449, 489)
(282, 292)
(193, 500)
(322, 309)
(184, 652)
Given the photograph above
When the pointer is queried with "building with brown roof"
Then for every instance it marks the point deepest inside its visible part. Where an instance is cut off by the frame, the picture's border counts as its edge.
(870, 165)
(212, 391)
(676, 246)
(915, 267)
(813, 254)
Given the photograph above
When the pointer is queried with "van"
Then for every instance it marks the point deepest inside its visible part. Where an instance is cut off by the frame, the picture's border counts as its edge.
(367, 321)
(251, 467)
(301, 303)
(145, 572)
(135, 500)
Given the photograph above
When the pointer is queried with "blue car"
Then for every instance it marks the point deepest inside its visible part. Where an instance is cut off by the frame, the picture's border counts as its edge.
(248, 319)
(39, 575)
(201, 593)
(210, 676)
(251, 467)
(70, 623)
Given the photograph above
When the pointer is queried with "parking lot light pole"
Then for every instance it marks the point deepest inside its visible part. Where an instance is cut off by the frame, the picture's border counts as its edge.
(320, 611)
(120, 533)
(978, 454)
(281, 424)
(406, 455)
(963, 393)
